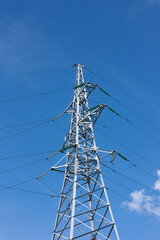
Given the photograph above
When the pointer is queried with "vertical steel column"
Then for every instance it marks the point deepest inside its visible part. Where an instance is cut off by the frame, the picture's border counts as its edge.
(76, 156)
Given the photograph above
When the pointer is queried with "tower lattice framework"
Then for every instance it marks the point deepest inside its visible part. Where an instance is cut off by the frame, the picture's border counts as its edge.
(84, 210)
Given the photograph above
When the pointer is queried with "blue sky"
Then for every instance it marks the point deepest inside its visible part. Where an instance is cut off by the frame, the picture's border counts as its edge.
(119, 40)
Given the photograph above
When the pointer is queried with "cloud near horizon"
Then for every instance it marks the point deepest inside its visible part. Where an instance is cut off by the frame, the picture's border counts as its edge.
(144, 203)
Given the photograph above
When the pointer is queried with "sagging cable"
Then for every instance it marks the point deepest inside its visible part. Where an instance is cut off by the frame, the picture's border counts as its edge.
(130, 110)
(137, 166)
(134, 125)
(112, 110)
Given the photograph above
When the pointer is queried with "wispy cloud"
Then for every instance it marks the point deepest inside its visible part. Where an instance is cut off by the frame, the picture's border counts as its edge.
(139, 6)
(128, 83)
(157, 183)
(141, 202)
(23, 46)
(16, 45)
(153, 2)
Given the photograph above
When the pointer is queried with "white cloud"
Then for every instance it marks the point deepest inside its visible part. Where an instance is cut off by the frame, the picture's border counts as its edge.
(144, 203)
(157, 183)
(137, 199)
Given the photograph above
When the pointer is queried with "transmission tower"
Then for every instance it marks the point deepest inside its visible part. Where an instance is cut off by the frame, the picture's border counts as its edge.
(84, 210)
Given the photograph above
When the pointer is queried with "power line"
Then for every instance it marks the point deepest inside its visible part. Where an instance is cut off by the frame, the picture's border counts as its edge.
(142, 169)
(40, 193)
(25, 123)
(140, 117)
(115, 126)
(44, 158)
(34, 72)
(131, 179)
(13, 135)
(135, 165)
(29, 191)
(126, 93)
(112, 180)
(27, 155)
(130, 110)
(25, 165)
(34, 95)
(119, 194)
(129, 149)
(22, 166)
(144, 131)
(17, 184)
(45, 194)
(49, 195)
(122, 196)
(42, 182)
(133, 124)
(23, 182)
(26, 130)
(24, 85)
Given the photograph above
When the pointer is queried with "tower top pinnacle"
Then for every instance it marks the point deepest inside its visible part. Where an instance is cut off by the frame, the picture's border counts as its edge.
(78, 64)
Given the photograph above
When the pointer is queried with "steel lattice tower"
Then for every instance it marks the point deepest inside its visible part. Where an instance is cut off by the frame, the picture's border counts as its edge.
(84, 210)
